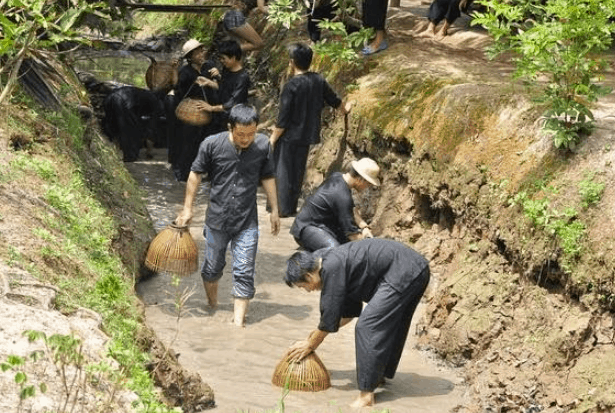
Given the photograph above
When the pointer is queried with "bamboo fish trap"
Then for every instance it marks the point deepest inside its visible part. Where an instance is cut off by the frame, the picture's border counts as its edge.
(173, 250)
(309, 374)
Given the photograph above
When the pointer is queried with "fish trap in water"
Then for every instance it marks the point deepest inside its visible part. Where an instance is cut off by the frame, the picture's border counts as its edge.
(173, 250)
(309, 374)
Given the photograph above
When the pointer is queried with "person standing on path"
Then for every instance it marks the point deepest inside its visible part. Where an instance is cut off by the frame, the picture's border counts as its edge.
(236, 162)
(298, 125)
(387, 275)
(375, 16)
(329, 217)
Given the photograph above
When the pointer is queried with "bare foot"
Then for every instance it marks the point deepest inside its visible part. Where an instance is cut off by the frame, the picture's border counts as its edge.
(366, 398)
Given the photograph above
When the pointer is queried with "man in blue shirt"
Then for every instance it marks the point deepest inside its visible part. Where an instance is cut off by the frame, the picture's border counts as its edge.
(236, 162)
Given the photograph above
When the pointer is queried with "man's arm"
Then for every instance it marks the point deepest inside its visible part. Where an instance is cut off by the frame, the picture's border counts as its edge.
(192, 185)
(272, 196)
(275, 135)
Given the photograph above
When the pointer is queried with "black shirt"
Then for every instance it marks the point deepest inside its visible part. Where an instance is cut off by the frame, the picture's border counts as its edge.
(301, 104)
(352, 272)
(234, 176)
(331, 206)
(233, 88)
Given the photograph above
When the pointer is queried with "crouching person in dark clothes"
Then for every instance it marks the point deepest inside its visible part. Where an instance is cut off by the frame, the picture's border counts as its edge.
(131, 116)
(329, 218)
(390, 277)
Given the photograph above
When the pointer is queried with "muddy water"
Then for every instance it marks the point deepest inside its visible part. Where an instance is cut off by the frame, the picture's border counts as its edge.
(238, 363)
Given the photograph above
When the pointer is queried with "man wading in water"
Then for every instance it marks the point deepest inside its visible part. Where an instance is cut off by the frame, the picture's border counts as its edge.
(390, 277)
(236, 162)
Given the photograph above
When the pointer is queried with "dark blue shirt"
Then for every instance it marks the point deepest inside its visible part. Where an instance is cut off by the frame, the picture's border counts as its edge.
(301, 102)
(234, 179)
(332, 207)
(352, 272)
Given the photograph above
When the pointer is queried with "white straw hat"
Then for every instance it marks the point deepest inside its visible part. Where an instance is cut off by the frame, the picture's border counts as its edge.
(189, 46)
(368, 169)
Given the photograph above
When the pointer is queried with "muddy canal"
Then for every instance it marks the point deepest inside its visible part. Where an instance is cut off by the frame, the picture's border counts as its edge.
(238, 363)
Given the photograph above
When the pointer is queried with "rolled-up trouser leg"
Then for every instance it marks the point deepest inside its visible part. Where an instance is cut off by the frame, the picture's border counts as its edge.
(214, 258)
(243, 251)
(314, 238)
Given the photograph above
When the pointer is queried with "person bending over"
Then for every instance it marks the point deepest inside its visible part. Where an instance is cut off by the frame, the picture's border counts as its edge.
(390, 277)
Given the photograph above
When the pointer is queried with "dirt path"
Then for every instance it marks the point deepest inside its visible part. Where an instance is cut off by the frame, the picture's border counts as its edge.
(239, 363)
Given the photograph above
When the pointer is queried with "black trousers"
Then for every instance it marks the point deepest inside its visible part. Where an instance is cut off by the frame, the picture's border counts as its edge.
(314, 238)
(375, 13)
(443, 9)
(290, 161)
(382, 330)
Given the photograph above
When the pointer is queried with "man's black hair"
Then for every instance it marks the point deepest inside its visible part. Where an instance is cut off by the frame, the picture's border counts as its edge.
(299, 264)
(301, 55)
(243, 115)
(230, 48)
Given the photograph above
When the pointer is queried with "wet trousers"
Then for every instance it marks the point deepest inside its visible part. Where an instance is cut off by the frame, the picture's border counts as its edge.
(243, 254)
(382, 329)
(313, 238)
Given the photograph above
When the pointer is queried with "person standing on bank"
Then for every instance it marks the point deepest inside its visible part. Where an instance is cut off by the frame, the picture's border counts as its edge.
(298, 125)
(236, 162)
(329, 217)
(390, 277)
(375, 16)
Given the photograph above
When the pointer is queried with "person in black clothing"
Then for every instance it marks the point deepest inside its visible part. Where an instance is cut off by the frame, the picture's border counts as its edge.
(185, 141)
(387, 275)
(447, 10)
(131, 114)
(329, 218)
(231, 88)
(298, 125)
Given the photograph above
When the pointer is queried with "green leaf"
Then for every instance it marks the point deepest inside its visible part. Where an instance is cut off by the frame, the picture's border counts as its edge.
(20, 377)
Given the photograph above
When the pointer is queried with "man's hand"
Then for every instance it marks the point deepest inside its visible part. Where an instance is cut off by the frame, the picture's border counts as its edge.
(275, 223)
(183, 219)
(298, 351)
(366, 233)
(214, 72)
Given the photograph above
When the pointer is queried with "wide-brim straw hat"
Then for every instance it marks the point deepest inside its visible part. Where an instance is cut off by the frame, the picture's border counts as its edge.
(309, 374)
(368, 169)
(189, 46)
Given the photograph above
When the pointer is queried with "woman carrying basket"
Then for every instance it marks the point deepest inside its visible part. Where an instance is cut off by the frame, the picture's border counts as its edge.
(184, 146)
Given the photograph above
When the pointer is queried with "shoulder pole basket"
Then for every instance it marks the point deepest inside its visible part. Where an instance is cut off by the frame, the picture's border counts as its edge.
(309, 374)
(173, 250)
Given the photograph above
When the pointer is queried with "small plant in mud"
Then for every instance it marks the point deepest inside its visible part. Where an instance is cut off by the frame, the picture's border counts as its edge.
(590, 190)
(65, 353)
(564, 225)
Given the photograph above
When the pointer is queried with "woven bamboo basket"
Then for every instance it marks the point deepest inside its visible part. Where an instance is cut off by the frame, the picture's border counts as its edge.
(188, 112)
(309, 374)
(161, 75)
(173, 250)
